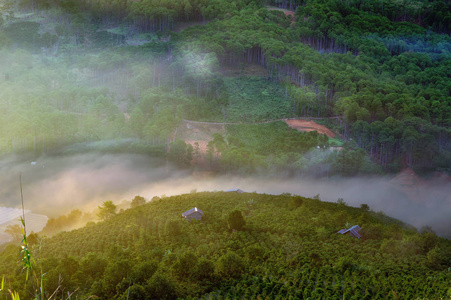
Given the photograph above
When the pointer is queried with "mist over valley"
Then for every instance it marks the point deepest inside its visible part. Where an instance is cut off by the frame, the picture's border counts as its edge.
(122, 123)
(56, 185)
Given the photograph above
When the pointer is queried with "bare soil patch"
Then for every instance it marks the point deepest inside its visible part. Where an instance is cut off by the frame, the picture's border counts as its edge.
(199, 159)
(307, 126)
(199, 131)
(202, 145)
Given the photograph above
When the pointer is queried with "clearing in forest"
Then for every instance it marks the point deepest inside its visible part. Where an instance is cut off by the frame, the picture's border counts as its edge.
(192, 132)
(306, 126)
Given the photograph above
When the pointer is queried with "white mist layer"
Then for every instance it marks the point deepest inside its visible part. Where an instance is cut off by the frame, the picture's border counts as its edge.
(55, 186)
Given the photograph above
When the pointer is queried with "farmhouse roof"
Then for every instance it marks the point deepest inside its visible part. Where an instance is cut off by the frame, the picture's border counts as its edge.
(354, 231)
(191, 211)
(235, 190)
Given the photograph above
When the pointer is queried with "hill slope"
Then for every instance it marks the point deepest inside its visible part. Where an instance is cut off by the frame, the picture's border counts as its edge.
(288, 248)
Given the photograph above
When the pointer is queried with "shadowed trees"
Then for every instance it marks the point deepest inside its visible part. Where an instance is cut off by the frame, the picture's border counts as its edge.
(235, 220)
(137, 201)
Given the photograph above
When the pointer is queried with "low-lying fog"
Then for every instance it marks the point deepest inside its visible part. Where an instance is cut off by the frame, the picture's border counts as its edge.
(57, 185)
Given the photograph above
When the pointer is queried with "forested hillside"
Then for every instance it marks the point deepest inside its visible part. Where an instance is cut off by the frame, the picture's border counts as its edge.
(247, 246)
(127, 72)
(208, 85)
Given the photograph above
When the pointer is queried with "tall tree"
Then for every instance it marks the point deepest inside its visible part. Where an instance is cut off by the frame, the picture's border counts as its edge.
(235, 220)
(106, 210)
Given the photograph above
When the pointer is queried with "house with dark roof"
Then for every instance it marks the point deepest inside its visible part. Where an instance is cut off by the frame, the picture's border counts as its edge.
(354, 231)
(235, 191)
(193, 213)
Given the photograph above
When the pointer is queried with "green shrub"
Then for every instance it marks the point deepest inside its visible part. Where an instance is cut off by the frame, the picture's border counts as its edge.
(295, 202)
(160, 287)
(230, 265)
(172, 228)
(235, 220)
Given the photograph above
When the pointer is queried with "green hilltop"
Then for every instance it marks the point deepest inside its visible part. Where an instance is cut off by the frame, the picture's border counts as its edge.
(288, 248)
(127, 76)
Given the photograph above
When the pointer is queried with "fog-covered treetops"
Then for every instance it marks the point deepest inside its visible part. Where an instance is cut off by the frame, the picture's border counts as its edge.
(208, 85)
(76, 72)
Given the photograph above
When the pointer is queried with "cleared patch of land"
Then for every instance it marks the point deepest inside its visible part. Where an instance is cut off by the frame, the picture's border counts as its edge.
(202, 132)
(199, 131)
(306, 126)
(202, 145)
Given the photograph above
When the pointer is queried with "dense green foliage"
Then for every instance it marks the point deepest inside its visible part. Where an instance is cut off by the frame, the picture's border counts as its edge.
(255, 99)
(266, 147)
(273, 148)
(122, 75)
(235, 220)
(107, 210)
(80, 72)
(288, 248)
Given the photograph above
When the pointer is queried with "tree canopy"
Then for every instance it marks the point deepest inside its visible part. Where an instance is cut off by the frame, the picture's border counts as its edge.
(106, 210)
(138, 252)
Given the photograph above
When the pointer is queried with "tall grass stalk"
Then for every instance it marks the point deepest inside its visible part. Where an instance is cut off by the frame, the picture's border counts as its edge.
(28, 261)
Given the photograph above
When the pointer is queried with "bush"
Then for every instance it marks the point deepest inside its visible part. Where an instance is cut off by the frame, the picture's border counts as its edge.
(390, 246)
(373, 231)
(136, 291)
(230, 265)
(185, 263)
(204, 269)
(235, 220)
(160, 287)
(255, 253)
(137, 201)
(438, 258)
(430, 240)
(143, 271)
(172, 228)
(344, 264)
(364, 207)
(295, 202)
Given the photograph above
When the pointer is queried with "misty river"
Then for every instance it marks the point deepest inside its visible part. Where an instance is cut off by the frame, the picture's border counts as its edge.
(56, 185)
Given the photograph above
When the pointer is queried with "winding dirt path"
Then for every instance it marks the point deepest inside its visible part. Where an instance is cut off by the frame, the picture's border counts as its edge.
(300, 124)
(307, 126)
